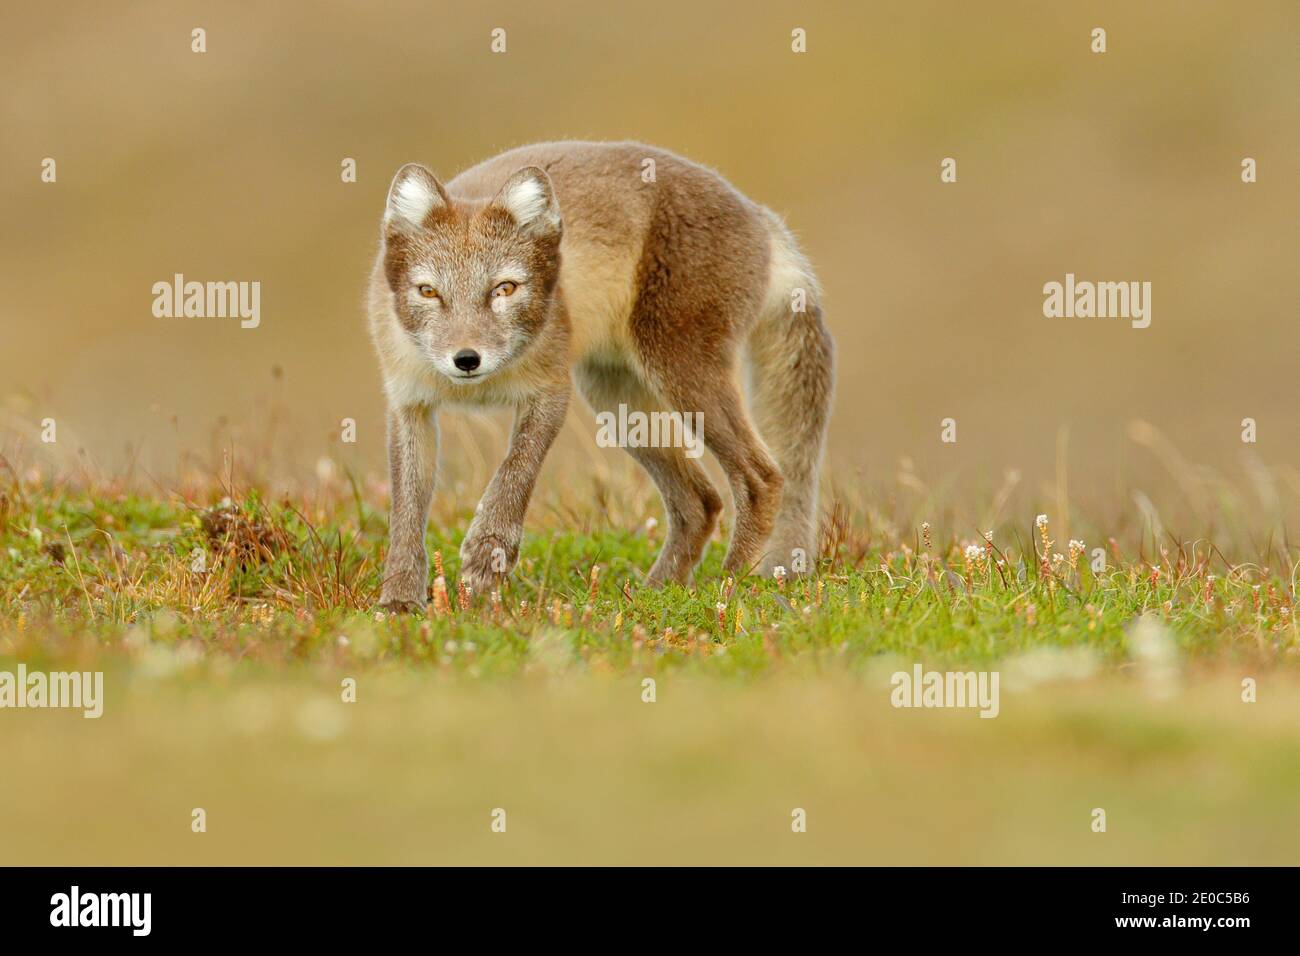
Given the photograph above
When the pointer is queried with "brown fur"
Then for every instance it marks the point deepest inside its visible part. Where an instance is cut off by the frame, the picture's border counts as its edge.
(648, 294)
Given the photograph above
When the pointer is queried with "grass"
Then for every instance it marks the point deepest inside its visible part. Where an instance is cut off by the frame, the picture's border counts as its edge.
(251, 577)
(227, 619)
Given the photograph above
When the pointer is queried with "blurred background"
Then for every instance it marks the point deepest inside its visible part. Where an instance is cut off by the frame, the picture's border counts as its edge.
(1122, 166)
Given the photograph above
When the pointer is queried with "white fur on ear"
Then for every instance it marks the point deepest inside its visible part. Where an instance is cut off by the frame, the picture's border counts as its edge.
(413, 195)
(527, 196)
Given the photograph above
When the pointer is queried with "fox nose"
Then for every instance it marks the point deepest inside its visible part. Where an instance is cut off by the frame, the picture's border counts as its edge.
(466, 360)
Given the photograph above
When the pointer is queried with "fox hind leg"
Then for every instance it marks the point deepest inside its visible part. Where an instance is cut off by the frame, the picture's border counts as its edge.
(754, 477)
(690, 501)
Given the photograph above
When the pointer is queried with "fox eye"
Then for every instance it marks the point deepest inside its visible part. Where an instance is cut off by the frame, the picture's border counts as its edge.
(505, 288)
(428, 291)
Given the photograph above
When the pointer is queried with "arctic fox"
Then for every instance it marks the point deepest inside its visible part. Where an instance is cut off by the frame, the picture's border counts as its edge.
(644, 279)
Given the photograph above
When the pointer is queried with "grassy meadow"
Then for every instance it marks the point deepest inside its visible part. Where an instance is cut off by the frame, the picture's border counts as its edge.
(227, 618)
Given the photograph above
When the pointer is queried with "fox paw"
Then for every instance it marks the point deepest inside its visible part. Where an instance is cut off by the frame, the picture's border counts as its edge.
(485, 560)
(400, 606)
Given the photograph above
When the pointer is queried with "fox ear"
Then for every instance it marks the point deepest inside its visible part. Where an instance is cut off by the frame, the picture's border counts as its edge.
(414, 194)
(529, 199)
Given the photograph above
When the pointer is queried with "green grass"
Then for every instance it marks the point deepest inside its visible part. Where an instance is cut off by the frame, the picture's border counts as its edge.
(270, 580)
(1120, 690)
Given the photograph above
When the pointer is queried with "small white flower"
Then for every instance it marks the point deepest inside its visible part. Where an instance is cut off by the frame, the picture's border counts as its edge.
(1041, 521)
(778, 572)
(974, 552)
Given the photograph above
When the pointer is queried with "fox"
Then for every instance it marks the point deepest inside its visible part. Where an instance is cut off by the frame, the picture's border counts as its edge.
(641, 278)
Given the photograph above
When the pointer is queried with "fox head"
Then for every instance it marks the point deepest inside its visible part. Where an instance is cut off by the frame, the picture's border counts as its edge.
(473, 282)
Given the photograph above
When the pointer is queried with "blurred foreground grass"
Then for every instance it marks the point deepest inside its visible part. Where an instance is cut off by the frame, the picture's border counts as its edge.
(587, 773)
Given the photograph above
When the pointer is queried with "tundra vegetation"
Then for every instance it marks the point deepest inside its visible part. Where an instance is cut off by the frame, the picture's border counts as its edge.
(248, 672)
(233, 570)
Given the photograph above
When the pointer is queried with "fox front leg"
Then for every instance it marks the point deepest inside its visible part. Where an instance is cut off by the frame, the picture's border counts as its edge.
(491, 545)
(412, 461)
